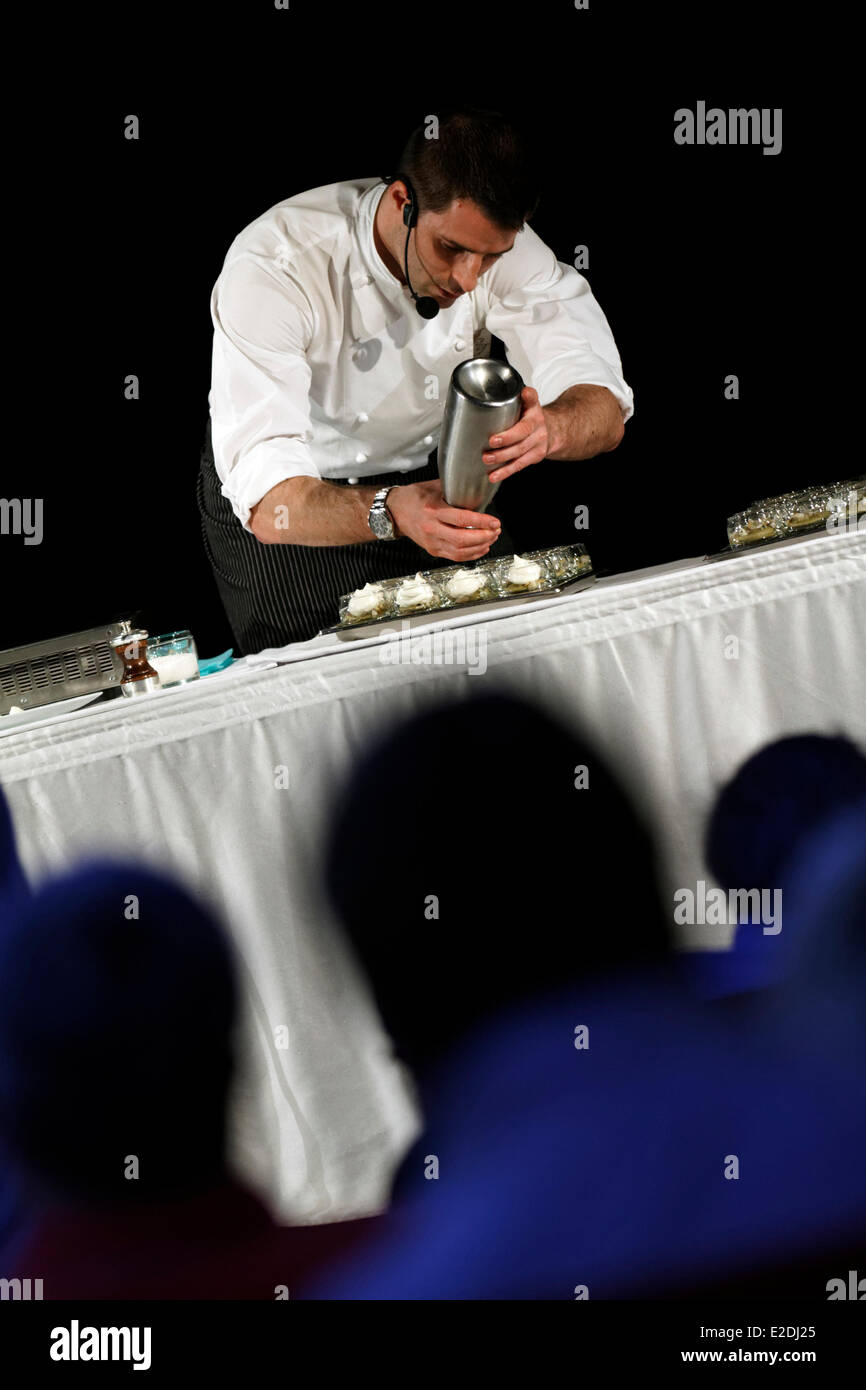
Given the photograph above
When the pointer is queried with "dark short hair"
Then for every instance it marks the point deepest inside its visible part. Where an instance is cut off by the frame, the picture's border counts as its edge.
(778, 796)
(527, 869)
(478, 155)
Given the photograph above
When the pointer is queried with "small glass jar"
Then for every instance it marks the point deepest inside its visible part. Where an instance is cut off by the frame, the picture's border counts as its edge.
(507, 584)
(174, 657)
(366, 605)
(410, 595)
(565, 562)
(834, 498)
(467, 584)
(803, 508)
(763, 521)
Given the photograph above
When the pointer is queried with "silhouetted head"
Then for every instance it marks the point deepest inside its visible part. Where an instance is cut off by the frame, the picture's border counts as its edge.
(825, 894)
(117, 1002)
(779, 795)
(14, 889)
(472, 872)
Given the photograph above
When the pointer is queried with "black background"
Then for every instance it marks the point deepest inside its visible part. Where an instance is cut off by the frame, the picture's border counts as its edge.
(702, 258)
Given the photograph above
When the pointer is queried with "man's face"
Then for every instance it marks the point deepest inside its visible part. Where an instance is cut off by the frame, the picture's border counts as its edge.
(449, 250)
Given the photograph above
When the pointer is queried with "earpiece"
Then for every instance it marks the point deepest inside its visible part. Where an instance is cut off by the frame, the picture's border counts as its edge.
(427, 307)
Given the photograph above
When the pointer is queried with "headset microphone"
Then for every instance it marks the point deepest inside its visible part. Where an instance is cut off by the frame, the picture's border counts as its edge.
(427, 307)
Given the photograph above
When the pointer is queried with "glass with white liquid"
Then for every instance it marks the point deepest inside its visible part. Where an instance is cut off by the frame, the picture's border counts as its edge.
(174, 658)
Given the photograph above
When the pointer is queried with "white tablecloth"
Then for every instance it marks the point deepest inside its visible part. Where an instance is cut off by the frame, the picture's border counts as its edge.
(680, 672)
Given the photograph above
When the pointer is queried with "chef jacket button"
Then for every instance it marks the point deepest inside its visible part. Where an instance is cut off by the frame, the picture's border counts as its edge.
(366, 279)
(362, 417)
(459, 345)
(351, 480)
(428, 439)
(360, 458)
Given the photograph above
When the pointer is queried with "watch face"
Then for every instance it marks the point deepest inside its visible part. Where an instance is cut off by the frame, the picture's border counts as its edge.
(380, 523)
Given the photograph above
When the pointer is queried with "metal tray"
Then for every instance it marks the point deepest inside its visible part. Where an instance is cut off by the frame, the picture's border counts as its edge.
(426, 615)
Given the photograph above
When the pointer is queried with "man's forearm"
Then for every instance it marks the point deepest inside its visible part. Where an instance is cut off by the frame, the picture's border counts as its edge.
(309, 511)
(584, 421)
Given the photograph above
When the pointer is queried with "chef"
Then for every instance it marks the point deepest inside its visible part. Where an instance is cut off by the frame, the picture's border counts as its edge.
(339, 316)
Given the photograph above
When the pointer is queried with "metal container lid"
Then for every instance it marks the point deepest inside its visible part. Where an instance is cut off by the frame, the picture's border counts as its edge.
(486, 381)
(127, 635)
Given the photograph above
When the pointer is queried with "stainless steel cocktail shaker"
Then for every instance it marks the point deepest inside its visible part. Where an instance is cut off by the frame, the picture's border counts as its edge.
(483, 398)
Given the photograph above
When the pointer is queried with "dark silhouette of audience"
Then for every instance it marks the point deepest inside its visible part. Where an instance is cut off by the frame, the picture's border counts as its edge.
(778, 795)
(117, 1010)
(662, 1151)
(595, 1124)
(470, 870)
(826, 976)
(814, 1016)
(754, 831)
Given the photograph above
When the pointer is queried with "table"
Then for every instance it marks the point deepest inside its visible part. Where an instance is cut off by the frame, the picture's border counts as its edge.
(680, 672)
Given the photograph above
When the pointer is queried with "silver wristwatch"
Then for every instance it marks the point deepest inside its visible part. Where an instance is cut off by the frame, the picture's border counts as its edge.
(379, 518)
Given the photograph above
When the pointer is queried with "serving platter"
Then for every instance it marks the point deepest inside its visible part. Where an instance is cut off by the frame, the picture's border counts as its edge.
(730, 551)
(417, 617)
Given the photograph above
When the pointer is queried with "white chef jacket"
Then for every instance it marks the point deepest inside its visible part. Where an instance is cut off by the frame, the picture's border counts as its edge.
(323, 367)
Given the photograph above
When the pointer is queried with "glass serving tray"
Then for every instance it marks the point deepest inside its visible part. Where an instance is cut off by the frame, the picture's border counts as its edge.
(794, 535)
(363, 627)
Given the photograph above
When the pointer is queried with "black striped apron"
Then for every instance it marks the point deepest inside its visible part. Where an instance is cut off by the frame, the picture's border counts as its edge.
(277, 594)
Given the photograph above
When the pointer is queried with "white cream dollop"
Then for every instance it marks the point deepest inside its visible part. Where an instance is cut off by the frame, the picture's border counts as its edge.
(415, 593)
(465, 583)
(522, 571)
(366, 600)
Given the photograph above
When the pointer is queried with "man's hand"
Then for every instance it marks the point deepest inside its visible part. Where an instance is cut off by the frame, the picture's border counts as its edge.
(584, 421)
(526, 442)
(421, 513)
